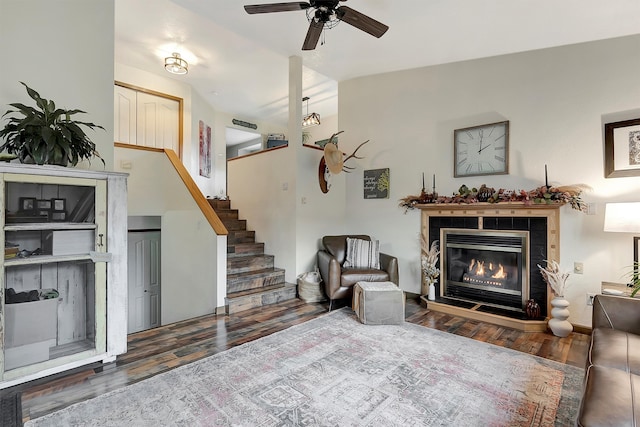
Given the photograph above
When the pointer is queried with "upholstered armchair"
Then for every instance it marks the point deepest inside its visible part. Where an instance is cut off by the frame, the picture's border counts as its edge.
(339, 278)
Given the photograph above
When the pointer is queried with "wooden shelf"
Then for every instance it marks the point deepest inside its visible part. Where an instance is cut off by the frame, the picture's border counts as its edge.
(46, 259)
(36, 226)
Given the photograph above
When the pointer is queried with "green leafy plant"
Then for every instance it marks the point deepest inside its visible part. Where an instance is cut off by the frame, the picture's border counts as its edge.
(634, 278)
(46, 134)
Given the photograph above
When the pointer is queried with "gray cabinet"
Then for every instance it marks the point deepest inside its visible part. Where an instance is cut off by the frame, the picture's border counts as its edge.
(63, 275)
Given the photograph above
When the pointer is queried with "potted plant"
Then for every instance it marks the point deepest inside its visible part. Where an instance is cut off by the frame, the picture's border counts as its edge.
(46, 134)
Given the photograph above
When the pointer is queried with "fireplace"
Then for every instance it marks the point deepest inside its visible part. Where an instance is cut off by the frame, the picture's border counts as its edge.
(489, 267)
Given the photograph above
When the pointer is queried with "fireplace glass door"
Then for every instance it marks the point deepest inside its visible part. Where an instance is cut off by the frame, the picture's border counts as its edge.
(486, 266)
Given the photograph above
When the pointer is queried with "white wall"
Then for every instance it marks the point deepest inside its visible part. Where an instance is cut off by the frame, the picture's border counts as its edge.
(64, 51)
(290, 229)
(556, 101)
(222, 121)
(190, 282)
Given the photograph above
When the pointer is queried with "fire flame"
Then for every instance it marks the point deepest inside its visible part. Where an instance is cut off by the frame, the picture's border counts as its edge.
(477, 268)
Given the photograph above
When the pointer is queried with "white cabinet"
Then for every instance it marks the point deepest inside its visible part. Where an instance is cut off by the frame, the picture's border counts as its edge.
(63, 277)
(146, 119)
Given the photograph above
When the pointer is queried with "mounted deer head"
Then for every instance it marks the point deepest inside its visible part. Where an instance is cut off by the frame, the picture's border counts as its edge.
(333, 162)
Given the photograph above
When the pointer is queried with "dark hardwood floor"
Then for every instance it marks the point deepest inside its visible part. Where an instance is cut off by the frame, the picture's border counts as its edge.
(154, 351)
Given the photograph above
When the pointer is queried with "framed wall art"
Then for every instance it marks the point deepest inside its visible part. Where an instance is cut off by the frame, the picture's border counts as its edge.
(376, 184)
(205, 149)
(622, 148)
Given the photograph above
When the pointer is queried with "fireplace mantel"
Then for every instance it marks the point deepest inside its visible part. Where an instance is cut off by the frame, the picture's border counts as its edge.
(474, 216)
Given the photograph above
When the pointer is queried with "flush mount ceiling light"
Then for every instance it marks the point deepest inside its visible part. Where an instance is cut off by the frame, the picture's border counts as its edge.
(312, 119)
(176, 65)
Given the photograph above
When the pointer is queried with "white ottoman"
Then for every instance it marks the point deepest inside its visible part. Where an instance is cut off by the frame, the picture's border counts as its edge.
(378, 303)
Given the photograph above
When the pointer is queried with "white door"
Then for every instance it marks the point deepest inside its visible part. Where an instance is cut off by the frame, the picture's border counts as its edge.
(124, 129)
(144, 280)
(157, 122)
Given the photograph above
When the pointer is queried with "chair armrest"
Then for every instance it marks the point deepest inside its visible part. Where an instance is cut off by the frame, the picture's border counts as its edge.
(330, 271)
(613, 312)
(389, 264)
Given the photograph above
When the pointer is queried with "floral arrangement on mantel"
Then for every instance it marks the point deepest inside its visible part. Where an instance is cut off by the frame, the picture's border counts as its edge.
(553, 277)
(542, 195)
(429, 259)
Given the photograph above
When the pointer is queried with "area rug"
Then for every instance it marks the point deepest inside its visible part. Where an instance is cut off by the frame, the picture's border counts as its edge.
(335, 371)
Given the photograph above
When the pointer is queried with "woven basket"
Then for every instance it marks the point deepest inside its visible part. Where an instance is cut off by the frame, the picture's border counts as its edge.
(309, 287)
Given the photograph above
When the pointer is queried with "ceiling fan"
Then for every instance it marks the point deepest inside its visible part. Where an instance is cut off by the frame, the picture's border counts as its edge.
(323, 14)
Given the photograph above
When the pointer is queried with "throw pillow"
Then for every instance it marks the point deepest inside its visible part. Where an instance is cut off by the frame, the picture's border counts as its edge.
(362, 254)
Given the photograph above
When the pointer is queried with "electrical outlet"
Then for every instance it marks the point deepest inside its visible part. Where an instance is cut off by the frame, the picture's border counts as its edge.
(590, 298)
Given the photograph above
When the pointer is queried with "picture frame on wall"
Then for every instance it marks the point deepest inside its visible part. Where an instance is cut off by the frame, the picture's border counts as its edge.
(622, 148)
(636, 249)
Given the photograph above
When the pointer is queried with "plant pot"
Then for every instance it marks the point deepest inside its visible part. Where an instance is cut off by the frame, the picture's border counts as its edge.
(558, 323)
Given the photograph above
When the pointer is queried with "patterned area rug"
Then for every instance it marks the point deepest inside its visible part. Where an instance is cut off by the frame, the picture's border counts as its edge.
(335, 371)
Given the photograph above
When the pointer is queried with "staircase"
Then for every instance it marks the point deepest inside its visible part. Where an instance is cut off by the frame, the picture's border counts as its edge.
(252, 280)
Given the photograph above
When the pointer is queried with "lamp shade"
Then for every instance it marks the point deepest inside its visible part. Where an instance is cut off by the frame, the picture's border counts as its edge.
(622, 217)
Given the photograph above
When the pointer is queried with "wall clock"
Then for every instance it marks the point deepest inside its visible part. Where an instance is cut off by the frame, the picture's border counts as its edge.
(481, 150)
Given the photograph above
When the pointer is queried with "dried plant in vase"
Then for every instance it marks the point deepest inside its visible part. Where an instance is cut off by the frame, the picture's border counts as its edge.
(556, 279)
(429, 259)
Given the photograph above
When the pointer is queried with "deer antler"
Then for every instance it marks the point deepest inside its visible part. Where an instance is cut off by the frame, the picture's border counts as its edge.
(348, 169)
(333, 136)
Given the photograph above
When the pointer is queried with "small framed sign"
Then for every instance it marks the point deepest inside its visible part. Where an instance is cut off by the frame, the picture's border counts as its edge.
(376, 184)
(622, 148)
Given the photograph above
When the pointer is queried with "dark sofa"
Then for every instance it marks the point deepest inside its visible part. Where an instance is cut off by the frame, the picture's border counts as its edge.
(612, 383)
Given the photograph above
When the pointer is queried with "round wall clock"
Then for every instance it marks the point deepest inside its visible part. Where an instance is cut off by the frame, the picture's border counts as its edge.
(481, 150)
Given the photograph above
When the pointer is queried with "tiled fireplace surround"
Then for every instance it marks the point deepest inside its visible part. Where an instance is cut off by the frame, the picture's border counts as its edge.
(541, 221)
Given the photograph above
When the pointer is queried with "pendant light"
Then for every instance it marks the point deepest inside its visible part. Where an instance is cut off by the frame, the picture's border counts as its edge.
(312, 119)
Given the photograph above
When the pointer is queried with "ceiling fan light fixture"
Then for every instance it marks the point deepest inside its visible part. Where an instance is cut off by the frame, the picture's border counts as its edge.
(312, 119)
(176, 65)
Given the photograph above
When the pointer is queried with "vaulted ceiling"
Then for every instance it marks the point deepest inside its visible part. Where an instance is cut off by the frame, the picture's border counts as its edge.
(239, 62)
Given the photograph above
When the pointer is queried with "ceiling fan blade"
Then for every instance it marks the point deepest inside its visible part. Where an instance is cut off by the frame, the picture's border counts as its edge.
(363, 22)
(276, 7)
(313, 35)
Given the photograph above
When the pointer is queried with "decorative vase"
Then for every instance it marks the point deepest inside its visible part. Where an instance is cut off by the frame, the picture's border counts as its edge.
(558, 323)
(432, 292)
